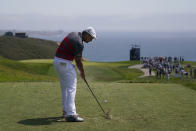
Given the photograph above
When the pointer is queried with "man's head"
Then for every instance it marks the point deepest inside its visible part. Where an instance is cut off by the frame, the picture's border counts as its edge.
(88, 34)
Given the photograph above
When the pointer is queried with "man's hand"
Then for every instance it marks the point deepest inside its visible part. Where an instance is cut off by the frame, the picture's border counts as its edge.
(80, 66)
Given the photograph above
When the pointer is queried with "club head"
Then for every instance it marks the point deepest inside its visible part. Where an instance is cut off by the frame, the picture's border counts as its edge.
(108, 115)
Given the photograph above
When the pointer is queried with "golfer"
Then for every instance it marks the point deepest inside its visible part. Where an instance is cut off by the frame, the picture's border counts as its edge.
(69, 49)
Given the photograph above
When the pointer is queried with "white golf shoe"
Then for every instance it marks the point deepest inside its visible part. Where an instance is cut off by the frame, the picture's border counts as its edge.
(74, 118)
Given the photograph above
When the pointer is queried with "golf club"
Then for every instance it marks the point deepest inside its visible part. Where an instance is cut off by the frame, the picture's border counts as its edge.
(107, 115)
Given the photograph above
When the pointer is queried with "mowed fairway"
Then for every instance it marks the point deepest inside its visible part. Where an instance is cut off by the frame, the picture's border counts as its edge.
(134, 107)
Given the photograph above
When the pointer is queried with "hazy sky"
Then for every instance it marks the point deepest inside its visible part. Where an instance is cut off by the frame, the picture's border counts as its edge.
(107, 15)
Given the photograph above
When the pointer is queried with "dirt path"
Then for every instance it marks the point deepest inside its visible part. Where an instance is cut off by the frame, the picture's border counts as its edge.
(146, 71)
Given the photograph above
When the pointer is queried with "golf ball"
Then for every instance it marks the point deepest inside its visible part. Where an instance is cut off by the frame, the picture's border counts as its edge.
(105, 101)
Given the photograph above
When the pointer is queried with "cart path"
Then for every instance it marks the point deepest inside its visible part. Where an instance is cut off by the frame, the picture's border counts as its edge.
(144, 70)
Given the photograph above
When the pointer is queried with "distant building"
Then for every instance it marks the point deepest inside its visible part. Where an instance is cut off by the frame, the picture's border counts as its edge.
(21, 35)
(135, 52)
(8, 34)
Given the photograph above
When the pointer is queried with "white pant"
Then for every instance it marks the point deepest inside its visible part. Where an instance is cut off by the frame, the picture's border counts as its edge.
(67, 77)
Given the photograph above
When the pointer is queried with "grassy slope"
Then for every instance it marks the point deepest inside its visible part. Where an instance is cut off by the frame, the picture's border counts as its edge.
(26, 48)
(42, 70)
(16, 71)
(111, 71)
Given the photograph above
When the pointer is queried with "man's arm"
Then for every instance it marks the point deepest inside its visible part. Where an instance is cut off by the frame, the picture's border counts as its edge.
(80, 66)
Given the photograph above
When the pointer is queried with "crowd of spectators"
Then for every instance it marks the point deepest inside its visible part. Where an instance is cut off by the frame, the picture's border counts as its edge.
(165, 67)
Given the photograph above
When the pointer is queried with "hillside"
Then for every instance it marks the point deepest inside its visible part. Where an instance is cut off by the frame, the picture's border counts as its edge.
(26, 48)
(42, 70)
(11, 70)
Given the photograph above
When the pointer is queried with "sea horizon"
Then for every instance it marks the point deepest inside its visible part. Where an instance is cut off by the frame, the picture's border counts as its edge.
(115, 46)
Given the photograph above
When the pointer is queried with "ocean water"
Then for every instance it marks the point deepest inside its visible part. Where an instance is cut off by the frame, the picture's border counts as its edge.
(115, 46)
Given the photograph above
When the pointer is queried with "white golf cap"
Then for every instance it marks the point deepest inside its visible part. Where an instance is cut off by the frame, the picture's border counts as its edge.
(91, 31)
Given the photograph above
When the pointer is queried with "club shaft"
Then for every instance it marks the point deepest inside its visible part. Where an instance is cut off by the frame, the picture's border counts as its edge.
(94, 96)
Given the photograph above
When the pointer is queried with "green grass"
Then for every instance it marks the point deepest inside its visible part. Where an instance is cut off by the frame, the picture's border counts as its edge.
(31, 99)
(16, 71)
(48, 61)
(42, 70)
(111, 71)
(143, 107)
(190, 83)
(26, 48)
(190, 62)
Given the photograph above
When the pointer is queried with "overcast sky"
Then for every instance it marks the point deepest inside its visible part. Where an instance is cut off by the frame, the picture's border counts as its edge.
(103, 15)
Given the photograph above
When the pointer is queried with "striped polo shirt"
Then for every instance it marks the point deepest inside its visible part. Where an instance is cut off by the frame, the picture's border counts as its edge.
(71, 46)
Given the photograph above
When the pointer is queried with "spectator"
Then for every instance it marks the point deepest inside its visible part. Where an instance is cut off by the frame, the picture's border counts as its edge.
(182, 73)
(167, 75)
(195, 73)
(186, 74)
(191, 72)
(150, 70)
(157, 73)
